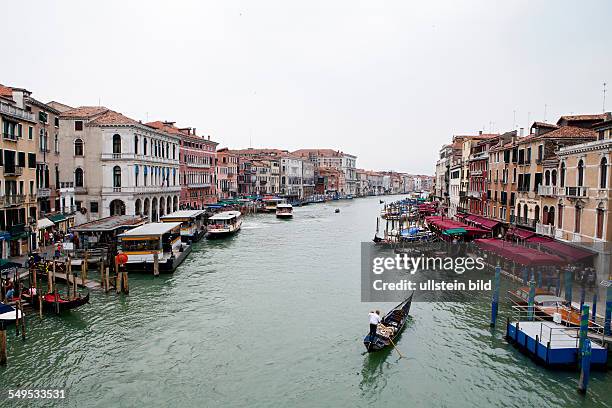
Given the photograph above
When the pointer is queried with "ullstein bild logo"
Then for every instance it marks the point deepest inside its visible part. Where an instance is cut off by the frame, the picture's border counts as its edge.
(444, 274)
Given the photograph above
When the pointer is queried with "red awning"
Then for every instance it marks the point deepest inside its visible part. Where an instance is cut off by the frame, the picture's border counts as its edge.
(470, 217)
(461, 215)
(520, 233)
(485, 222)
(566, 251)
(538, 239)
(522, 255)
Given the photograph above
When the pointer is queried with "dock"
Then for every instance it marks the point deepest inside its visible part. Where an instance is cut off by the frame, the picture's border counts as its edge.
(553, 344)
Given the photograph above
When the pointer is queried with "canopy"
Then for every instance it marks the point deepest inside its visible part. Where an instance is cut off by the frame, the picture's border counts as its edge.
(522, 255)
(443, 224)
(455, 231)
(484, 222)
(568, 252)
(520, 233)
(43, 223)
(57, 218)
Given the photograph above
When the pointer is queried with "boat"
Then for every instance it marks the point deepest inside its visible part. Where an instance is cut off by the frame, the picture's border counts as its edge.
(284, 210)
(337, 210)
(54, 302)
(270, 203)
(193, 226)
(142, 244)
(520, 296)
(224, 223)
(555, 308)
(390, 327)
(381, 202)
(8, 313)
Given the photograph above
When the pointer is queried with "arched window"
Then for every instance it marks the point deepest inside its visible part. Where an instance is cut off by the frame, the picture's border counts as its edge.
(600, 223)
(136, 171)
(554, 178)
(116, 144)
(144, 147)
(547, 178)
(562, 175)
(173, 151)
(537, 213)
(116, 176)
(78, 147)
(135, 144)
(580, 174)
(525, 212)
(603, 173)
(577, 216)
(78, 177)
(560, 216)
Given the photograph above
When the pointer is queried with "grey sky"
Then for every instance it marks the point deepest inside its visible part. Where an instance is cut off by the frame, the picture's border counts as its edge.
(389, 81)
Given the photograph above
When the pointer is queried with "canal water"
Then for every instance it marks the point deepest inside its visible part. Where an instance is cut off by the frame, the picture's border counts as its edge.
(273, 317)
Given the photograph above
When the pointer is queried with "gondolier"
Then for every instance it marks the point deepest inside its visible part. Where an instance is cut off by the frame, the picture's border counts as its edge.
(374, 321)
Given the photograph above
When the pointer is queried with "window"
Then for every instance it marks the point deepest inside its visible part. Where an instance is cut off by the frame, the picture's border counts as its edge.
(78, 125)
(78, 147)
(116, 177)
(562, 175)
(116, 144)
(21, 159)
(135, 144)
(578, 215)
(56, 143)
(600, 223)
(560, 216)
(93, 206)
(136, 171)
(30, 132)
(554, 178)
(580, 174)
(78, 177)
(43, 117)
(56, 121)
(540, 152)
(32, 160)
(603, 173)
(144, 147)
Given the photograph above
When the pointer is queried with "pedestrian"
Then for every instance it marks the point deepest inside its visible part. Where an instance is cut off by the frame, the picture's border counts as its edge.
(58, 250)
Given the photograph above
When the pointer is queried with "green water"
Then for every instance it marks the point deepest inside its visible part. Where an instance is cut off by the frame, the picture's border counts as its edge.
(272, 317)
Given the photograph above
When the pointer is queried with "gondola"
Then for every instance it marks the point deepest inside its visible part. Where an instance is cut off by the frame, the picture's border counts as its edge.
(8, 313)
(395, 321)
(381, 202)
(57, 304)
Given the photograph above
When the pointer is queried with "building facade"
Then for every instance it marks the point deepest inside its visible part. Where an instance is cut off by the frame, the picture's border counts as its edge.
(227, 174)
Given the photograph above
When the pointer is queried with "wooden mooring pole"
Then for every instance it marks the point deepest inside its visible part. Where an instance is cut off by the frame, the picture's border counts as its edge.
(155, 264)
(495, 297)
(2, 343)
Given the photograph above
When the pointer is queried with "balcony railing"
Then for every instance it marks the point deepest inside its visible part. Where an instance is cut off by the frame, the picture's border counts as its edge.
(43, 192)
(545, 229)
(548, 191)
(577, 192)
(13, 171)
(9, 137)
(526, 222)
(16, 112)
(12, 199)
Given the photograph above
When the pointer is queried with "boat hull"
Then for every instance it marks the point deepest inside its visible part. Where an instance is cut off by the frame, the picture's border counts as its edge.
(285, 216)
(378, 342)
(166, 267)
(63, 305)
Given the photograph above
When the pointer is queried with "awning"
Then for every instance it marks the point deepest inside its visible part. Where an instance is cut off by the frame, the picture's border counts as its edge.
(57, 218)
(485, 222)
(455, 231)
(520, 233)
(470, 218)
(461, 215)
(44, 223)
(570, 253)
(522, 255)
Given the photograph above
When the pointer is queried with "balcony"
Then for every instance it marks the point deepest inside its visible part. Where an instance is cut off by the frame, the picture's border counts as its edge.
(12, 199)
(545, 229)
(548, 191)
(138, 157)
(577, 192)
(13, 171)
(43, 192)
(526, 222)
(80, 190)
(16, 112)
(138, 189)
(10, 137)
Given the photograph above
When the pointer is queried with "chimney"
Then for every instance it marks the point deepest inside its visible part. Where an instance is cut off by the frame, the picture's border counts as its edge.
(194, 131)
(208, 137)
(480, 133)
(521, 131)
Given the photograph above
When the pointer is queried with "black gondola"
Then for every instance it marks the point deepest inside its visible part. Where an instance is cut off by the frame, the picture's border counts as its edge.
(381, 202)
(56, 304)
(395, 320)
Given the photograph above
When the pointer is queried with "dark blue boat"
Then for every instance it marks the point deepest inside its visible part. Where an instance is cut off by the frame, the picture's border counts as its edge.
(395, 320)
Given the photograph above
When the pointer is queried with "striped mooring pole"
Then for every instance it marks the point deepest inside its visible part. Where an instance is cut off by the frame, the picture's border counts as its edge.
(585, 367)
(495, 296)
(525, 275)
(584, 325)
(530, 301)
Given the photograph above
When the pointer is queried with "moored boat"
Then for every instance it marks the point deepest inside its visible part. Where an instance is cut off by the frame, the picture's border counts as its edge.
(224, 223)
(53, 302)
(141, 244)
(520, 296)
(390, 327)
(193, 226)
(8, 313)
(270, 203)
(284, 210)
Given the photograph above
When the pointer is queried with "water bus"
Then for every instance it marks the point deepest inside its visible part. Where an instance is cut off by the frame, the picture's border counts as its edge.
(193, 224)
(270, 203)
(223, 224)
(141, 244)
(284, 210)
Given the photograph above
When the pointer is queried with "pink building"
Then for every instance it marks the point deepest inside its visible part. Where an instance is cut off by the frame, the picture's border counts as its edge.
(196, 166)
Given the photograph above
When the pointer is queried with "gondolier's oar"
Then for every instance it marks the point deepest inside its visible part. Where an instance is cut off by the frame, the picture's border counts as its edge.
(395, 347)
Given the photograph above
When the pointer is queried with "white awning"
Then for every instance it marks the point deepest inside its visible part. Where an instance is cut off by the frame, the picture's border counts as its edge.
(44, 223)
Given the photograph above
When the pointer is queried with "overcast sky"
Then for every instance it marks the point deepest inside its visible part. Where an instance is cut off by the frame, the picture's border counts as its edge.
(388, 81)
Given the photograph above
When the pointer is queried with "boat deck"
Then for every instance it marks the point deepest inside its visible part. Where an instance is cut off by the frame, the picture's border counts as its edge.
(551, 343)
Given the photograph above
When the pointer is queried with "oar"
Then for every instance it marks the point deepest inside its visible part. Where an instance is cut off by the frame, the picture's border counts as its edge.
(395, 347)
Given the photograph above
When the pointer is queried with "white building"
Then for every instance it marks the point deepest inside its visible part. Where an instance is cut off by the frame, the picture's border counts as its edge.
(291, 176)
(118, 165)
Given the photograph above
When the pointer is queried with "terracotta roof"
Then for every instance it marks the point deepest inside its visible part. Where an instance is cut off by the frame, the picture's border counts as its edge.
(6, 92)
(84, 112)
(160, 125)
(564, 132)
(113, 118)
(598, 116)
(544, 124)
(318, 152)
